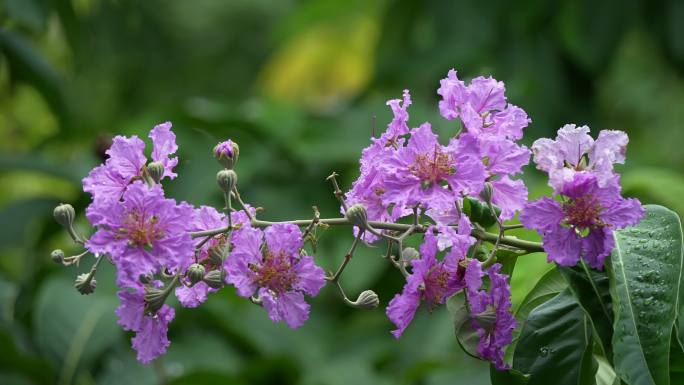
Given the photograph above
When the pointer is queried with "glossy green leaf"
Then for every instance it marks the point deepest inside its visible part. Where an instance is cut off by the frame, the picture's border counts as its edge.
(591, 289)
(466, 336)
(548, 286)
(555, 345)
(605, 374)
(644, 272)
(507, 377)
(479, 212)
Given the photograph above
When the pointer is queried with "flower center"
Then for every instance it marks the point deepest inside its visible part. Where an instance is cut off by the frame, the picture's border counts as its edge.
(434, 168)
(141, 229)
(275, 273)
(436, 284)
(583, 212)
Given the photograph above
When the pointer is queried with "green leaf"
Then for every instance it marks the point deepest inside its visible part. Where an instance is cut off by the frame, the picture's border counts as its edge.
(548, 286)
(644, 272)
(605, 375)
(507, 377)
(591, 288)
(479, 212)
(466, 336)
(555, 345)
(72, 329)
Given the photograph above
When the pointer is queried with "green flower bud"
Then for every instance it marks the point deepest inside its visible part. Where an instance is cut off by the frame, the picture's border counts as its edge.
(358, 216)
(227, 153)
(367, 300)
(57, 256)
(214, 279)
(195, 273)
(85, 284)
(64, 215)
(226, 179)
(154, 299)
(487, 192)
(156, 171)
(216, 255)
(409, 253)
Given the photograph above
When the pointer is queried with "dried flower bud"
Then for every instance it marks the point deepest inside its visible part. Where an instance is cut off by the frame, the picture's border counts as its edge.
(57, 256)
(214, 279)
(195, 273)
(358, 216)
(64, 215)
(85, 284)
(156, 171)
(227, 153)
(226, 179)
(367, 300)
(409, 253)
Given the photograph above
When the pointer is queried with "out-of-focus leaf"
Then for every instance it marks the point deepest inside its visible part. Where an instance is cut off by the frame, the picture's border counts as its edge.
(12, 360)
(31, 13)
(555, 345)
(39, 163)
(655, 185)
(28, 64)
(72, 329)
(548, 286)
(644, 271)
(591, 289)
(18, 216)
(205, 377)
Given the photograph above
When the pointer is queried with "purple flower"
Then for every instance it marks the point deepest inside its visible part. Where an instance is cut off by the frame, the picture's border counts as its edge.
(426, 173)
(448, 236)
(144, 233)
(582, 224)
(431, 281)
(125, 162)
(193, 296)
(490, 312)
(277, 272)
(150, 339)
(575, 151)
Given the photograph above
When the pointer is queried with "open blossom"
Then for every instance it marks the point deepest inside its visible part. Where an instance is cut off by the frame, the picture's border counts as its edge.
(431, 281)
(126, 161)
(277, 273)
(150, 340)
(490, 311)
(143, 233)
(492, 128)
(426, 173)
(575, 151)
(582, 224)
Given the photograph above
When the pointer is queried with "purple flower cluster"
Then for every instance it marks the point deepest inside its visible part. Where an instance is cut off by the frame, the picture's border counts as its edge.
(580, 169)
(270, 264)
(490, 311)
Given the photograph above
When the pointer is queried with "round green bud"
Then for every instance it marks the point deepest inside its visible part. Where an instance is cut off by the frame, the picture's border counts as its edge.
(367, 300)
(84, 284)
(154, 299)
(64, 215)
(195, 273)
(214, 279)
(57, 256)
(487, 192)
(358, 216)
(156, 171)
(409, 253)
(226, 179)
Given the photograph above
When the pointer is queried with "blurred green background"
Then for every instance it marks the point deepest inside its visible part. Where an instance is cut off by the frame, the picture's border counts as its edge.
(296, 84)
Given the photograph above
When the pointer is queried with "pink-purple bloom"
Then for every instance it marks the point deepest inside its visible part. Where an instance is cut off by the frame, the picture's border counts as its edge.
(150, 340)
(428, 174)
(143, 233)
(431, 281)
(270, 264)
(574, 151)
(490, 311)
(224, 149)
(581, 225)
(126, 161)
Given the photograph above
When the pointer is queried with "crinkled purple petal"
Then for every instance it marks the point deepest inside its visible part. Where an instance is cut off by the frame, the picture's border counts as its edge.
(543, 215)
(563, 246)
(194, 296)
(288, 306)
(510, 195)
(486, 94)
(454, 94)
(164, 144)
(151, 340)
(310, 278)
(284, 238)
(597, 245)
(126, 156)
(401, 310)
